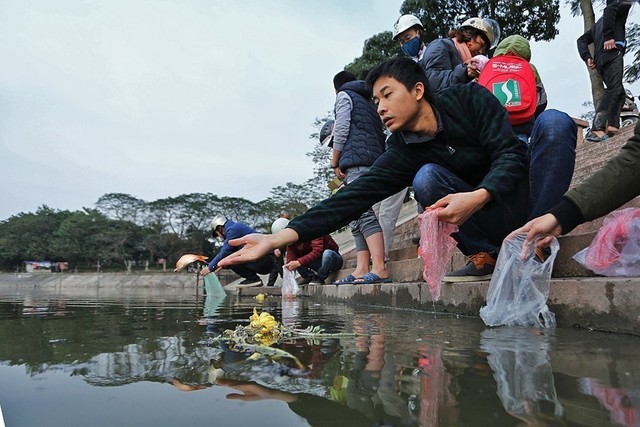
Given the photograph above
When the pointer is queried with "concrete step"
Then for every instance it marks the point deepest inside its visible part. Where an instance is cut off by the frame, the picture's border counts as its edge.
(599, 303)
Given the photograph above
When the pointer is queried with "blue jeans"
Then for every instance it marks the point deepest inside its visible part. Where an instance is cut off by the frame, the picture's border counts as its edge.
(551, 155)
(330, 262)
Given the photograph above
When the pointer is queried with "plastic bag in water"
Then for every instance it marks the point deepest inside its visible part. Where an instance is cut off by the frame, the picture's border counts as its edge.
(519, 289)
(615, 250)
(436, 249)
(212, 285)
(289, 285)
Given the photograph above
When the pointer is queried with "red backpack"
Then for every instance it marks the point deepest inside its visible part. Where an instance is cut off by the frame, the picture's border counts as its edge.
(510, 79)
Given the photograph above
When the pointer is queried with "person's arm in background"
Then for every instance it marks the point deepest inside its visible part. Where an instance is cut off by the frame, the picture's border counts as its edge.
(612, 12)
(583, 49)
(317, 248)
(341, 128)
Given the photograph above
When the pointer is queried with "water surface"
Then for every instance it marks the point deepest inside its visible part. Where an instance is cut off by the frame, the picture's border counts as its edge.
(128, 358)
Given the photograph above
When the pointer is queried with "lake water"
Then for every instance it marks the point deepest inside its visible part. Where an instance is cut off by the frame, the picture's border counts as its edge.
(149, 359)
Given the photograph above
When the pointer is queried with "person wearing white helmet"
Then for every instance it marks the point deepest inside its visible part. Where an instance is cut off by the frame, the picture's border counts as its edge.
(226, 229)
(458, 58)
(408, 31)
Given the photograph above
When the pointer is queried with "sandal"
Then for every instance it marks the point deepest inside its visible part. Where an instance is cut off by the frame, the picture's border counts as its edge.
(347, 280)
(371, 278)
(592, 137)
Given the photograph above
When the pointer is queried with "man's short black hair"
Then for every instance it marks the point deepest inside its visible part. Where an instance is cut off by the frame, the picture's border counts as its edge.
(341, 78)
(405, 70)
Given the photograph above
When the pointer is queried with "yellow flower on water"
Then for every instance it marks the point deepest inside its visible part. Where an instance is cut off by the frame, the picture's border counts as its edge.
(260, 297)
(267, 338)
(265, 322)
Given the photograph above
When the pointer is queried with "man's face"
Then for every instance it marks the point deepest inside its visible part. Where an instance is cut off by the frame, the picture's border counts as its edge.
(407, 35)
(397, 107)
(476, 45)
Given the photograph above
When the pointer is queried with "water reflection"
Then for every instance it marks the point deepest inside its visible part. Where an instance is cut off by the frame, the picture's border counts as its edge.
(519, 358)
(402, 368)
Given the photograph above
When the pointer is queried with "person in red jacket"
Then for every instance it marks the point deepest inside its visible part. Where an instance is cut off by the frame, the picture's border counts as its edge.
(314, 260)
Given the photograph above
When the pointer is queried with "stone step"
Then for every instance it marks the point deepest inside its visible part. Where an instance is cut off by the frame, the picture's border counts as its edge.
(600, 303)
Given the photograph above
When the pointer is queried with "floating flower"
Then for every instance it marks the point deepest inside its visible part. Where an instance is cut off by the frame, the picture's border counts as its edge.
(264, 322)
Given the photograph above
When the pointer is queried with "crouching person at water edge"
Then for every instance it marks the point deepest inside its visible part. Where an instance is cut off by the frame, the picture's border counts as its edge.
(224, 228)
(314, 260)
(458, 151)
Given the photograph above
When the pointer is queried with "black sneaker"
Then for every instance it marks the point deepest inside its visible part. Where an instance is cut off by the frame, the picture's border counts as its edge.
(317, 281)
(480, 267)
(251, 282)
(304, 280)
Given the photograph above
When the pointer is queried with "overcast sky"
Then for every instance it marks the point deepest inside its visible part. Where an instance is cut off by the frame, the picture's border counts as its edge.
(161, 98)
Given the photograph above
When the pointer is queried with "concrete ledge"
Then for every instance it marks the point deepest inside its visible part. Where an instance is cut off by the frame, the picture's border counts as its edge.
(599, 303)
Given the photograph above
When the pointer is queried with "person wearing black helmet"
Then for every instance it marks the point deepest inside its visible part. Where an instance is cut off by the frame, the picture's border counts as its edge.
(224, 228)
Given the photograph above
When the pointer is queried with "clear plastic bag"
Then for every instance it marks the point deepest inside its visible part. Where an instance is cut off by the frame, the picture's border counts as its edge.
(615, 250)
(519, 289)
(290, 287)
(212, 285)
(436, 249)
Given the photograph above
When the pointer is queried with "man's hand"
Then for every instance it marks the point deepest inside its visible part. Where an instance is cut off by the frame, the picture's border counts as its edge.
(292, 266)
(253, 391)
(458, 207)
(545, 228)
(339, 172)
(206, 271)
(472, 70)
(258, 245)
(609, 44)
(591, 64)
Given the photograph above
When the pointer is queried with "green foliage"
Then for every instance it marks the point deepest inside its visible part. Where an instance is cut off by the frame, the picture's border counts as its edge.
(27, 236)
(532, 19)
(632, 71)
(376, 50)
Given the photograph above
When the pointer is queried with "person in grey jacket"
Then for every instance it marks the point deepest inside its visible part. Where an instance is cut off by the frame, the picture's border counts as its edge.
(606, 190)
(358, 141)
(449, 61)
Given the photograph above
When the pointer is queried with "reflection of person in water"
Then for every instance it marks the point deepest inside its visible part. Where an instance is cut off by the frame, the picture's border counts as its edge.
(317, 410)
(372, 388)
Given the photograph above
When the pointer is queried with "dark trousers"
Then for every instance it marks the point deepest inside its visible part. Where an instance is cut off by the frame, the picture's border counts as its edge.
(608, 111)
(278, 263)
(251, 270)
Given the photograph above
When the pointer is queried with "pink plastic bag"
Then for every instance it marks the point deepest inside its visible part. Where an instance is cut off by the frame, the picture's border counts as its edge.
(615, 250)
(436, 249)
